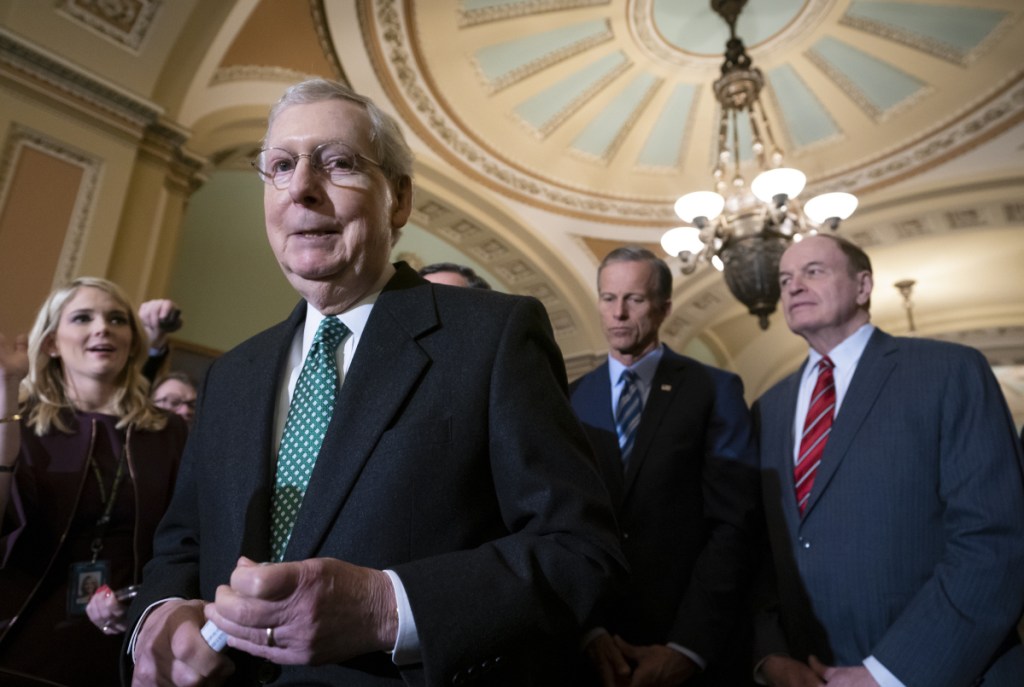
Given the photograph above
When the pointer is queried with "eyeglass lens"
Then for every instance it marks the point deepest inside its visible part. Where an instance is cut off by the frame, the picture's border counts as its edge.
(335, 159)
(173, 402)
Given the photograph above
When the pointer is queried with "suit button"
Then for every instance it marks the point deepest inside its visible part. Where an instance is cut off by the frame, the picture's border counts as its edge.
(625, 535)
(804, 544)
(459, 678)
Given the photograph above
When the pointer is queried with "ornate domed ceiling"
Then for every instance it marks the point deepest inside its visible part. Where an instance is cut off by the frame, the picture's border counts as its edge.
(547, 132)
(603, 110)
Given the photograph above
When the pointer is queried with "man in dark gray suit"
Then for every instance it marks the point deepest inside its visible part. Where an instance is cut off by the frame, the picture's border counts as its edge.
(894, 498)
(453, 528)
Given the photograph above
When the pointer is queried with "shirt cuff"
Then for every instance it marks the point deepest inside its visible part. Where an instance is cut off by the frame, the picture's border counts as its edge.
(407, 643)
(701, 663)
(881, 674)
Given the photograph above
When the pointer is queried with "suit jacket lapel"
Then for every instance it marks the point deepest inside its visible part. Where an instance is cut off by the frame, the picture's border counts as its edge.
(875, 366)
(592, 402)
(248, 502)
(386, 366)
(780, 419)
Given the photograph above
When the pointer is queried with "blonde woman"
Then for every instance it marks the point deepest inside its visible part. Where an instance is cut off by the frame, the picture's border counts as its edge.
(87, 466)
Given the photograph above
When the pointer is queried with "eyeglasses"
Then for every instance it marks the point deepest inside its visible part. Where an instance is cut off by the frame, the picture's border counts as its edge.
(333, 159)
(173, 403)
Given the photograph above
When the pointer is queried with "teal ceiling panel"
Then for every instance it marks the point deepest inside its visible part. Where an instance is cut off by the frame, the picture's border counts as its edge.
(805, 118)
(549, 107)
(601, 136)
(664, 145)
(689, 26)
(875, 85)
(504, 63)
(927, 27)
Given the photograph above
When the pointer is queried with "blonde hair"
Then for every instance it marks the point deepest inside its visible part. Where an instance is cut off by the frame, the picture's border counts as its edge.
(43, 392)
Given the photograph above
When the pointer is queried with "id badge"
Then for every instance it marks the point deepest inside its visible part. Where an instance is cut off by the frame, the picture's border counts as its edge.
(84, 579)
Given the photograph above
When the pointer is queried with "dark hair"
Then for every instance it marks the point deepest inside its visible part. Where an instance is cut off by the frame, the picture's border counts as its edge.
(661, 275)
(473, 280)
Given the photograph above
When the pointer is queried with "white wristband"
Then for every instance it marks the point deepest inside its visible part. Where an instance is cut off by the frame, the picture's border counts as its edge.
(214, 636)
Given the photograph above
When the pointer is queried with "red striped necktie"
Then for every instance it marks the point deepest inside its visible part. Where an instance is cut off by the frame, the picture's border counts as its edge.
(817, 428)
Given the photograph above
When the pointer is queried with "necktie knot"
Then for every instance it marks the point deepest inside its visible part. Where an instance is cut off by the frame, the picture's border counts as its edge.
(330, 332)
(825, 364)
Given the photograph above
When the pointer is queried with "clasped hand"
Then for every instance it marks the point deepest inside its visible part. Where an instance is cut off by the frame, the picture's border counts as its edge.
(320, 610)
(621, 664)
(782, 671)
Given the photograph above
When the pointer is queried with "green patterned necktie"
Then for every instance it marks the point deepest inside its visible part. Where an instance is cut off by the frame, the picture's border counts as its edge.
(308, 417)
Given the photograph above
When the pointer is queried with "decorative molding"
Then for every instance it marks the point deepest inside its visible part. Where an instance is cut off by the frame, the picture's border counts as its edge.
(316, 9)
(60, 79)
(258, 73)
(924, 44)
(518, 272)
(640, 18)
(543, 62)
(21, 137)
(511, 10)
(578, 102)
(854, 92)
(165, 142)
(386, 21)
(977, 123)
(124, 22)
(928, 45)
(626, 128)
(389, 33)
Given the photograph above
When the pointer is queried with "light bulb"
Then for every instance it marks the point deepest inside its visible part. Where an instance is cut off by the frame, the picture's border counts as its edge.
(828, 206)
(706, 204)
(682, 239)
(775, 182)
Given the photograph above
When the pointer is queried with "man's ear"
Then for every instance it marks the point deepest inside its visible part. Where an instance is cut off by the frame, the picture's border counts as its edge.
(403, 203)
(865, 283)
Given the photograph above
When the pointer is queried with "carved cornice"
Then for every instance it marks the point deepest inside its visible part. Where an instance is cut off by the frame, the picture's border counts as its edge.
(976, 124)
(482, 15)
(58, 79)
(124, 22)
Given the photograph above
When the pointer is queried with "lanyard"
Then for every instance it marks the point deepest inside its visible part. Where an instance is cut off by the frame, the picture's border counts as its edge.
(108, 503)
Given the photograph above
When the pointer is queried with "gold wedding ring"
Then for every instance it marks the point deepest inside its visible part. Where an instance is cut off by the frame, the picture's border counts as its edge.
(270, 638)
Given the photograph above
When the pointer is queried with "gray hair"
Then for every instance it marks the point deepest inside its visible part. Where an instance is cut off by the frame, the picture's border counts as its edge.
(661, 275)
(390, 149)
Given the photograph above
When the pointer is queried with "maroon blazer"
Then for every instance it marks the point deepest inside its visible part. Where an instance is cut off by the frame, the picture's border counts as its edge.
(47, 496)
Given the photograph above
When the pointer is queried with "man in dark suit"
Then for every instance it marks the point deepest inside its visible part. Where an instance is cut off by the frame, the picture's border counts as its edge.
(683, 484)
(453, 529)
(894, 499)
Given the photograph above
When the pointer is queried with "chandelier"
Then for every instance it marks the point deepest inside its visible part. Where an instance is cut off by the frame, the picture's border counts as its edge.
(742, 230)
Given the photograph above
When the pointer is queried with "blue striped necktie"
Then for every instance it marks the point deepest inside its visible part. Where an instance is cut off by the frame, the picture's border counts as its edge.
(627, 414)
(308, 416)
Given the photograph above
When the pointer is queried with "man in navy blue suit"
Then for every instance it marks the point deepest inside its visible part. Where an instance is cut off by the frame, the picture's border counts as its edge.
(893, 495)
(682, 476)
